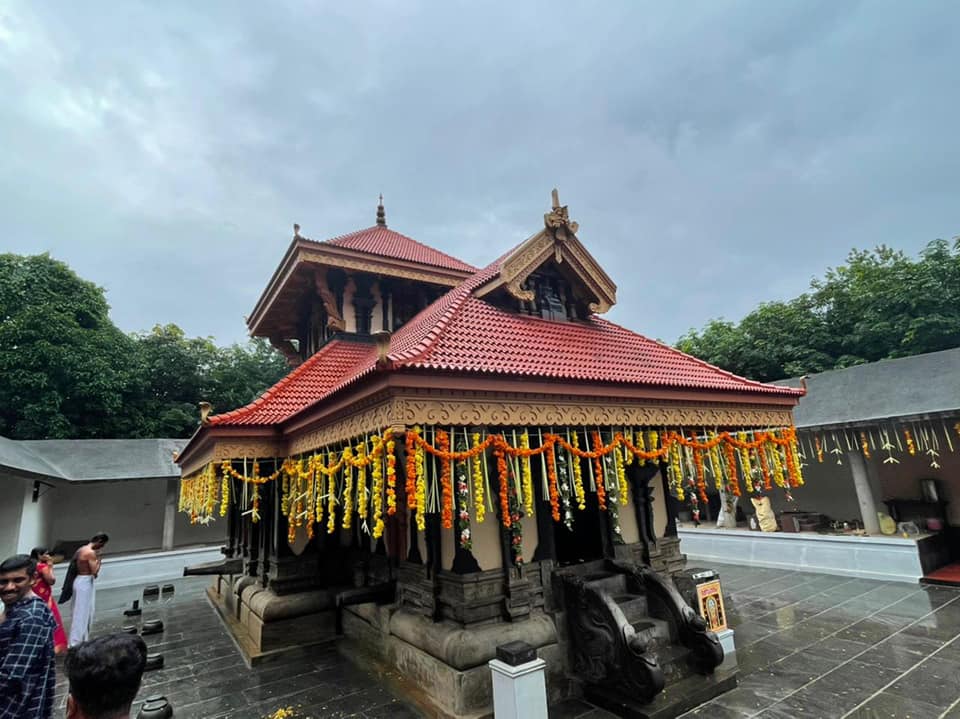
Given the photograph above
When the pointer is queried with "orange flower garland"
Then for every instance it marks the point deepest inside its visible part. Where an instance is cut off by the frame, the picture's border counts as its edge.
(504, 496)
(911, 446)
(598, 470)
(733, 486)
(701, 476)
(391, 478)
(552, 483)
(309, 484)
(446, 485)
(864, 445)
(411, 478)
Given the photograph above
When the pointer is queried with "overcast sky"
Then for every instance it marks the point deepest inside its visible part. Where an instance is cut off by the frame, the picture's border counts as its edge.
(715, 154)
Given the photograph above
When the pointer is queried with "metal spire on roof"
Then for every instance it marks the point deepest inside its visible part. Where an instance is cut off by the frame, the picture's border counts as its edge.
(381, 213)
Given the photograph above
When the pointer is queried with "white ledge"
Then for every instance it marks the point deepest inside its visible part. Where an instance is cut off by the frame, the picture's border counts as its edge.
(887, 558)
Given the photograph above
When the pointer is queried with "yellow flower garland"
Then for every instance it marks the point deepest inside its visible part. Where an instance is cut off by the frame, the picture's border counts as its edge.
(526, 473)
(377, 495)
(479, 510)
(421, 488)
(578, 490)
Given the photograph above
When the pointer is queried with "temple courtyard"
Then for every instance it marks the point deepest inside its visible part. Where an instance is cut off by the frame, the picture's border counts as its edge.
(808, 645)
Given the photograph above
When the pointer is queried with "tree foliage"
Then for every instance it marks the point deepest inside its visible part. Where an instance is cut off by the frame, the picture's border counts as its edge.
(880, 304)
(69, 372)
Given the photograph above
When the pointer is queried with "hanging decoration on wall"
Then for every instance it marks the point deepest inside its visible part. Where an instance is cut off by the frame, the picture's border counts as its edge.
(926, 439)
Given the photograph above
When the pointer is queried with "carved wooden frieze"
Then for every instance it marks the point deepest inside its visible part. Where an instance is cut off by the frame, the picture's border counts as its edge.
(577, 412)
(347, 426)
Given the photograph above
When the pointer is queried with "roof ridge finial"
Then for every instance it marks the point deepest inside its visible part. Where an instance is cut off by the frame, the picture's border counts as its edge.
(558, 221)
(381, 213)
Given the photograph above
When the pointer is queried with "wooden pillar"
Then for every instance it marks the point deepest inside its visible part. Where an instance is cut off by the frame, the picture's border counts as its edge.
(670, 503)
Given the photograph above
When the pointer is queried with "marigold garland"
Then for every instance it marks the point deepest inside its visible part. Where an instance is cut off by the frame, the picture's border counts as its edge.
(303, 489)
(446, 486)
(331, 499)
(864, 445)
(479, 509)
(410, 449)
(362, 500)
(347, 520)
(391, 477)
(764, 467)
(598, 469)
(701, 475)
(911, 446)
(733, 486)
(503, 479)
(623, 488)
(421, 470)
(376, 496)
(578, 490)
(552, 483)
(224, 495)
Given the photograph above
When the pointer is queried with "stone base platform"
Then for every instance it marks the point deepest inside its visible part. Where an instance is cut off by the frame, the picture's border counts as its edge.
(442, 667)
(266, 625)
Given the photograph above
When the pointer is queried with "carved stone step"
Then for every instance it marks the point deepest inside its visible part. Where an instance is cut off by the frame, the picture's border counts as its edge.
(633, 606)
(655, 632)
(612, 584)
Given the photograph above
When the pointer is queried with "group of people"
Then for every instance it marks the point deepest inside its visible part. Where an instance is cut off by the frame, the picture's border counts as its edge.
(104, 673)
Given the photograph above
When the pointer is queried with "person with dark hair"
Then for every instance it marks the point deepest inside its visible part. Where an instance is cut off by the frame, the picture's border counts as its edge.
(87, 568)
(105, 676)
(43, 588)
(26, 644)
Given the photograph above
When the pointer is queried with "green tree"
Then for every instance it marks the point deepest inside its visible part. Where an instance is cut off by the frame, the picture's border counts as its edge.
(880, 304)
(67, 370)
(242, 372)
(173, 370)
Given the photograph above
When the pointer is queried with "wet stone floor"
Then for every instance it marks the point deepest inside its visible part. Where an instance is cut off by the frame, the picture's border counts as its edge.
(808, 645)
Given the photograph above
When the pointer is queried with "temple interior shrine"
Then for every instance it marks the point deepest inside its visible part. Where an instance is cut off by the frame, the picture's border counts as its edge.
(465, 457)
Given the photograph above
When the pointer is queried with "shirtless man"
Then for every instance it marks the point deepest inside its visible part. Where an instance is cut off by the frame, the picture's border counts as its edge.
(88, 567)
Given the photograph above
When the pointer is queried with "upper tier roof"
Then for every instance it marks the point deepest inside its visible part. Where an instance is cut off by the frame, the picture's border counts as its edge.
(382, 241)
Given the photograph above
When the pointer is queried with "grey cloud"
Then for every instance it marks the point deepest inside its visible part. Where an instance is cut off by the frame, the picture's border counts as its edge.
(715, 154)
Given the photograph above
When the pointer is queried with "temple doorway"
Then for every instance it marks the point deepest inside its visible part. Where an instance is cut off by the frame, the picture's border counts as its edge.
(584, 542)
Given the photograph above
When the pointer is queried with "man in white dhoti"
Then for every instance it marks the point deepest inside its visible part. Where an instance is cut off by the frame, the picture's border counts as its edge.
(87, 561)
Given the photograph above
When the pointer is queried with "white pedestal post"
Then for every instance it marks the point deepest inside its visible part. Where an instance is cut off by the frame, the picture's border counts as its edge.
(519, 691)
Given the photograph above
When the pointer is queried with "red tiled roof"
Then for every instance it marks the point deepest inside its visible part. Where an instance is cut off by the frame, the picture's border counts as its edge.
(378, 240)
(320, 375)
(462, 333)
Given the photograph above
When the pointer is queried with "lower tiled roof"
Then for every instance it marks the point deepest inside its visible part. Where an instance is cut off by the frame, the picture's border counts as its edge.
(336, 362)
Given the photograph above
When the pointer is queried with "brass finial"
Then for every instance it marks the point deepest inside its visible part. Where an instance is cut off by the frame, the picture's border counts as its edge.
(381, 213)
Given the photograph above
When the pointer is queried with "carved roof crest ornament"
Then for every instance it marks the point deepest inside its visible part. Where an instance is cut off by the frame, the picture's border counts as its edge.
(558, 221)
(559, 242)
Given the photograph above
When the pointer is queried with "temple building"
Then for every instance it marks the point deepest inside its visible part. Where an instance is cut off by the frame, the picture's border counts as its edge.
(464, 457)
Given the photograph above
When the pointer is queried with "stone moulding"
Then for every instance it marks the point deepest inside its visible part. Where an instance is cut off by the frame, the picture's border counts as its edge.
(462, 648)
